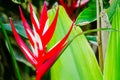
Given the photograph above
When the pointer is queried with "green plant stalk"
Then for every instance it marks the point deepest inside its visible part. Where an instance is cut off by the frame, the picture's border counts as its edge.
(11, 52)
(100, 54)
(93, 30)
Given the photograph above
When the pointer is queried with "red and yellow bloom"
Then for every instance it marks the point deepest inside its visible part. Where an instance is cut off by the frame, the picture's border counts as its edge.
(39, 37)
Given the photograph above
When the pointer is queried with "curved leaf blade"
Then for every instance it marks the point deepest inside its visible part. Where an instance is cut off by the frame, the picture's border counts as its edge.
(78, 60)
(112, 60)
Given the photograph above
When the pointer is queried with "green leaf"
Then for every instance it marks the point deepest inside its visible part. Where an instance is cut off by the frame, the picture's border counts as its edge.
(91, 38)
(78, 61)
(20, 57)
(19, 28)
(11, 52)
(112, 60)
(88, 15)
(112, 8)
(17, 53)
(106, 3)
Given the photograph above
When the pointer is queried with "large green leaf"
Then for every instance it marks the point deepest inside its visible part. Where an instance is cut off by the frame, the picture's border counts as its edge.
(78, 61)
(112, 61)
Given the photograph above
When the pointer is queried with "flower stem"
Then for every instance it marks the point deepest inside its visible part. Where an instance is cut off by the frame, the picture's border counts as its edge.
(38, 76)
(11, 53)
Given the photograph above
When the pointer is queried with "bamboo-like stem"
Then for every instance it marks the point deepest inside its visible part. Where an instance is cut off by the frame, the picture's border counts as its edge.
(101, 5)
(99, 37)
(104, 24)
(11, 53)
(103, 34)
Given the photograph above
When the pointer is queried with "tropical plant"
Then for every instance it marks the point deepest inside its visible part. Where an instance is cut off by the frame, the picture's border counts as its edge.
(40, 58)
(77, 60)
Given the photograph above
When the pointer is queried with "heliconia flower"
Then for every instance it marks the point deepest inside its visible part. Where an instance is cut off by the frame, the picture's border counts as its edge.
(39, 37)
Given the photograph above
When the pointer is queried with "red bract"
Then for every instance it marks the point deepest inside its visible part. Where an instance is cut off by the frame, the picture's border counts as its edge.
(39, 37)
